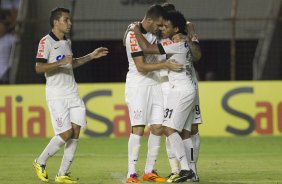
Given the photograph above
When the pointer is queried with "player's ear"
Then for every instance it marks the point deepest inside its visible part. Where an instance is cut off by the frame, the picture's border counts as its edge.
(55, 22)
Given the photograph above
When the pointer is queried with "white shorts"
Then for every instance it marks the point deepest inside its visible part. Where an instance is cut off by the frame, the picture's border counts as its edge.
(145, 104)
(197, 119)
(179, 107)
(66, 111)
(165, 85)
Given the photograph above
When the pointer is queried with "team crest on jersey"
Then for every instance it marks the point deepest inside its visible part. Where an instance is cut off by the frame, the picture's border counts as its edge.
(59, 122)
(137, 114)
(186, 45)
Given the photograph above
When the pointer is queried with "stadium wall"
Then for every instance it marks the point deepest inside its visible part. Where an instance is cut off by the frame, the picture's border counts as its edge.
(228, 109)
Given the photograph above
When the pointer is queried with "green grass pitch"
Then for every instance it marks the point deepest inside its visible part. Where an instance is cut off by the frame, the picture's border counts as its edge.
(233, 160)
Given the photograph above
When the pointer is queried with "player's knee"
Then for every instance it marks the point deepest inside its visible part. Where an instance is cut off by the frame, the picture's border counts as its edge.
(194, 129)
(185, 134)
(168, 131)
(138, 130)
(76, 131)
(67, 135)
(157, 129)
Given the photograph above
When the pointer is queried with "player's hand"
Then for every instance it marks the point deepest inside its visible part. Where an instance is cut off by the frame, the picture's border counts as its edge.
(99, 52)
(172, 65)
(180, 37)
(191, 31)
(135, 26)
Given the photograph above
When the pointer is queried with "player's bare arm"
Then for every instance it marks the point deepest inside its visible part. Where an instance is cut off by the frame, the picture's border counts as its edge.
(47, 67)
(97, 53)
(147, 67)
(146, 47)
(192, 41)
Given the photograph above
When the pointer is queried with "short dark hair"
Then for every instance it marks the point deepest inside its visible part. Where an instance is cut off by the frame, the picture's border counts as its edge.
(178, 20)
(155, 11)
(168, 7)
(56, 14)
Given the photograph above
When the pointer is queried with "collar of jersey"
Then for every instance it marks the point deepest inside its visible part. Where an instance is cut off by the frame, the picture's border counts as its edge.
(143, 31)
(55, 37)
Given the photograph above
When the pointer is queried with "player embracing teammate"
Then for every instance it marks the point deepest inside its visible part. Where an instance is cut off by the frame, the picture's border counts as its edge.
(181, 90)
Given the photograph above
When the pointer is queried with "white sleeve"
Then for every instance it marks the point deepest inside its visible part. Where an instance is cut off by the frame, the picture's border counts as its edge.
(44, 48)
(132, 46)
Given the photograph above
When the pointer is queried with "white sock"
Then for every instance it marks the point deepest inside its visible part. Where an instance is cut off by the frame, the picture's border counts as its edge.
(171, 158)
(179, 150)
(196, 145)
(53, 147)
(154, 142)
(190, 153)
(133, 152)
(70, 149)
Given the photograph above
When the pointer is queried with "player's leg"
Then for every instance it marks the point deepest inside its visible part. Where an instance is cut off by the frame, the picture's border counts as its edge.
(63, 130)
(69, 152)
(155, 121)
(179, 105)
(78, 117)
(187, 140)
(195, 129)
(195, 134)
(153, 150)
(136, 99)
(134, 144)
(173, 162)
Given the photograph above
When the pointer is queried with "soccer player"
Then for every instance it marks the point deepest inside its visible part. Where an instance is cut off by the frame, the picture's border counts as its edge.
(144, 97)
(182, 89)
(67, 110)
(192, 138)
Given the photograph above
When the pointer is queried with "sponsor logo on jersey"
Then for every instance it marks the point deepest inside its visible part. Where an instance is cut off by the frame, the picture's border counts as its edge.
(41, 48)
(59, 57)
(166, 43)
(133, 42)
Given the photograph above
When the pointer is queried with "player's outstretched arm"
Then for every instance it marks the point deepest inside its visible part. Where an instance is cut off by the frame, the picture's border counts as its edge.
(97, 53)
(47, 67)
(193, 41)
(146, 47)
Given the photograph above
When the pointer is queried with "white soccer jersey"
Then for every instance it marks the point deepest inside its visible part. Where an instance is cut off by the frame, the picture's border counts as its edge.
(178, 51)
(133, 77)
(60, 83)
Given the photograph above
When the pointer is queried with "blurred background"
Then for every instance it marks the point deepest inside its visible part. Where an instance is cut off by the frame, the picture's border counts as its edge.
(240, 71)
(240, 87)
(240, 39)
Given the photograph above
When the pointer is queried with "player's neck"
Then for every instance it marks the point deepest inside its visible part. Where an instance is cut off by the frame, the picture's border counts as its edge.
(60, 35)
(145, 26)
